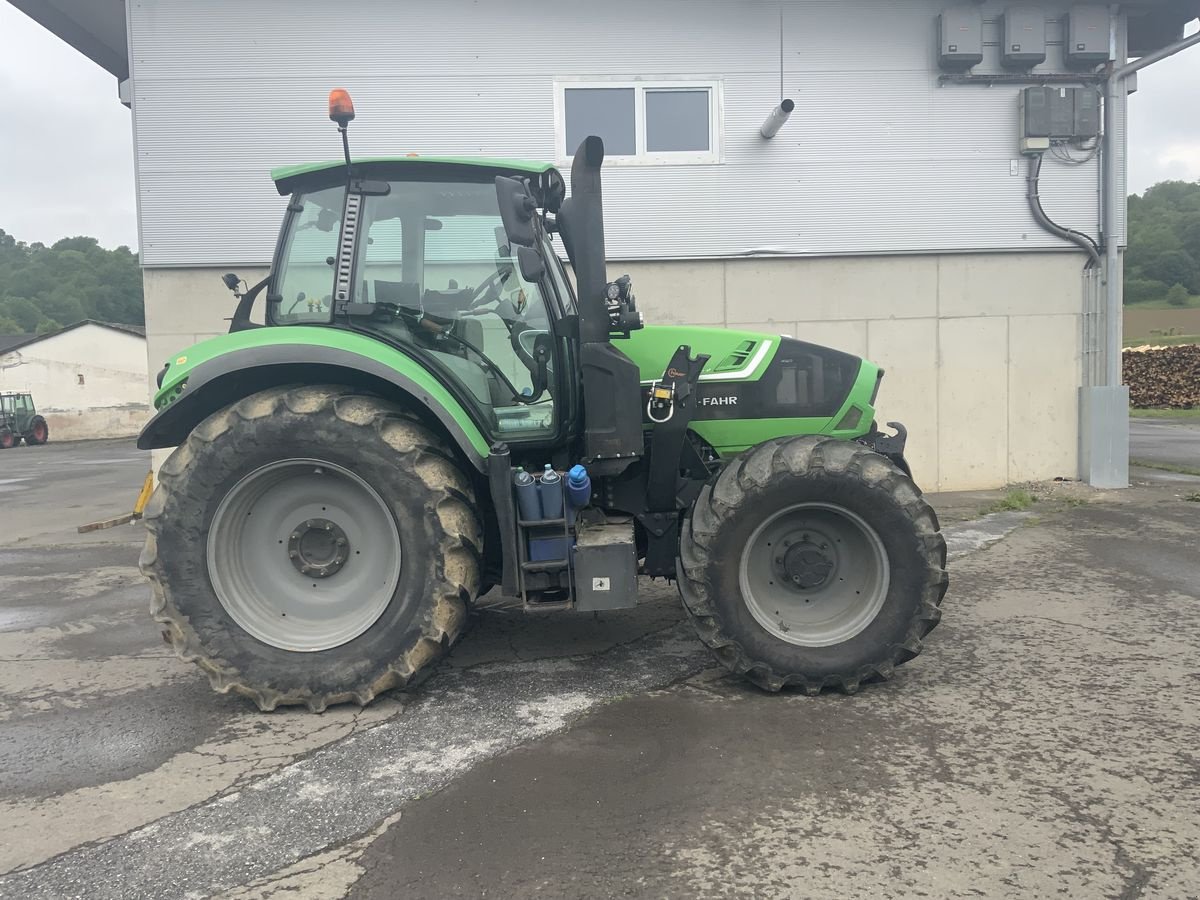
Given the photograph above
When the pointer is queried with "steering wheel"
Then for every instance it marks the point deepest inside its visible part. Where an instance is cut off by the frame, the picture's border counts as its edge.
(489, 289)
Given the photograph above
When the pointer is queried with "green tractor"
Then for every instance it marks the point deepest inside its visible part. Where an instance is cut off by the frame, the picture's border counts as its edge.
(351, 475)
(19, 420)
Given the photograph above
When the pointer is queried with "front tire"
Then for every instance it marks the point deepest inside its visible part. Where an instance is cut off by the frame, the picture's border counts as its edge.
(312, 546)
(812, 562)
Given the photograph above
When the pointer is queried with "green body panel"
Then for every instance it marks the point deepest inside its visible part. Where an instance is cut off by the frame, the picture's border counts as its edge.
(187, 360)
(651, 349)
(514, 165)
(733, 361)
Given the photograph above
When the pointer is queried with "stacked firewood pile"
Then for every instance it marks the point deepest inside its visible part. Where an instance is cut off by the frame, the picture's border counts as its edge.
(1163, 377)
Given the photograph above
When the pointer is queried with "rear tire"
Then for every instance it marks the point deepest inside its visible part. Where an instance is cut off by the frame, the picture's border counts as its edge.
(812, 562)
(38, 433)
(223, 594)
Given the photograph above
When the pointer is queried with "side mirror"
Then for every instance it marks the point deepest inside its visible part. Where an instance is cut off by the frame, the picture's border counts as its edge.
(231, 280)
(533, 267)
(553, 190)
(517, 208)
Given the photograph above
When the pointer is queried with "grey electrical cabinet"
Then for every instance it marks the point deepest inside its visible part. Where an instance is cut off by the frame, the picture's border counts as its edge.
(960, 38)
(1056, 114)
(1023, 37)
(1087, 113)
(1085, 36)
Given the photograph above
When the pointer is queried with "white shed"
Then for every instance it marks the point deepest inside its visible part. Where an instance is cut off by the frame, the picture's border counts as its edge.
(88, 379)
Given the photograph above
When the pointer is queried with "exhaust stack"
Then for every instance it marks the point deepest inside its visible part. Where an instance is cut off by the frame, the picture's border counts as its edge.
(581, 223)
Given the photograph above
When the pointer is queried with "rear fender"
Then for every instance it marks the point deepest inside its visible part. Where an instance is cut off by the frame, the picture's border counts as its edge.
(190, 392)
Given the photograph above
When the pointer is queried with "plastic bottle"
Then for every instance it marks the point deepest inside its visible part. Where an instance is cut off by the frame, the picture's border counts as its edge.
(579, 487)
(527, 495)
(551, 490)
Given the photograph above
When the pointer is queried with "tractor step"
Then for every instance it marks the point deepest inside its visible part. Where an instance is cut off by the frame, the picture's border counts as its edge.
(545, 565)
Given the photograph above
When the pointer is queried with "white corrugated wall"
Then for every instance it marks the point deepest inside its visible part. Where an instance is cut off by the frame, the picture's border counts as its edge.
(878, 158)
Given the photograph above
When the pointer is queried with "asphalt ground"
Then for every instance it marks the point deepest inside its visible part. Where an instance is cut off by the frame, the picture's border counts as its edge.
(1164, 441)
(1045, 742)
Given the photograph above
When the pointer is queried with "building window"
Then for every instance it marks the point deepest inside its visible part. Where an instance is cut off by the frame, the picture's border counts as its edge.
(641, 122)
(80, 377)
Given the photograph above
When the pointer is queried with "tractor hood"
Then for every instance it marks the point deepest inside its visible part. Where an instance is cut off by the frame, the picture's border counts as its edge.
(755, 386)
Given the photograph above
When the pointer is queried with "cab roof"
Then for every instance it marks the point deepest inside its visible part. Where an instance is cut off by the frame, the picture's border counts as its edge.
(287, 177)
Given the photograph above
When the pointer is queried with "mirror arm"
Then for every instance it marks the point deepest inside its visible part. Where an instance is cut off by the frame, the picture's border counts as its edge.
(241, 315)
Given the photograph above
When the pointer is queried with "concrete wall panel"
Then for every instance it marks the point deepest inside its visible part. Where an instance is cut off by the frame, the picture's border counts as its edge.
(907, 350)
(972, 403)
(1043, 379)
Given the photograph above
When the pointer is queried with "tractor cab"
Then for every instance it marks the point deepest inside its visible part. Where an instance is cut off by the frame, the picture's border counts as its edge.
(425, 265)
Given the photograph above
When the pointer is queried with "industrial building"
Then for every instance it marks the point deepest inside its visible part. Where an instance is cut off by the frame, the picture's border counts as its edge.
(892, 215)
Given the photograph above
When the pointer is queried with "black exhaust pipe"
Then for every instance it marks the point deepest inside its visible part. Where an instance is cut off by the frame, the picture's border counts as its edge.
(581, 223)
(612, 404)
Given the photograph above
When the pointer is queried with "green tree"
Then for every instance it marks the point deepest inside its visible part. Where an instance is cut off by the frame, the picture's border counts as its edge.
(1164, 239)
(73, 279)
(10, 326)
(1178, 295)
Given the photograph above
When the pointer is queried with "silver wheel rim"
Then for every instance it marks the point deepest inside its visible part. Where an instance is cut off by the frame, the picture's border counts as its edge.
(304, 555)
(814, 574)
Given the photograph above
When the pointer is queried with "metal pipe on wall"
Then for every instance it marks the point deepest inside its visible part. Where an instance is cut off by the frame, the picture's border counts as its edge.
(777, 119)
(1114, 100)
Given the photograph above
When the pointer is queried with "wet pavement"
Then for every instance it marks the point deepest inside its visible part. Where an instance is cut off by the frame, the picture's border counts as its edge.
(1165, 441)
(1045, 742)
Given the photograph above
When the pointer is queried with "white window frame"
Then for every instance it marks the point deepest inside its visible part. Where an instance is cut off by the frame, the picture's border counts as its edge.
(714, 155)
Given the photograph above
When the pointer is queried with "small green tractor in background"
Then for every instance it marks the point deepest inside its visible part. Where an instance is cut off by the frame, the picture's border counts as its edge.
(352, 473)
(19, 420)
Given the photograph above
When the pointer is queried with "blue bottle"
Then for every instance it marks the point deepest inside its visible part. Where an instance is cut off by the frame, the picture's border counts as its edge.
(527, 495)
(551, 490)
(579, 487)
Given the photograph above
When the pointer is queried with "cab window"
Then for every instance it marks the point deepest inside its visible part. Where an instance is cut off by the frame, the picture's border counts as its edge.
(434, 264)
(304, 271)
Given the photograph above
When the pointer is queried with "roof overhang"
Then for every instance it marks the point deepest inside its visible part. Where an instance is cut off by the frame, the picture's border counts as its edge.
(96, 28)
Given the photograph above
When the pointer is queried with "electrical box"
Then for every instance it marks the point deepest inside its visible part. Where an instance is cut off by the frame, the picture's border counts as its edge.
(960, 38)
(1086, 36)
(1087, 113)
(1035, 119)
(1053, 114)
(1023, 37)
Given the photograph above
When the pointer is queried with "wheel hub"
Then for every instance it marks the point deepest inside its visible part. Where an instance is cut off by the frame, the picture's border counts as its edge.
(318, 548)
(806, 563)
(814, 574)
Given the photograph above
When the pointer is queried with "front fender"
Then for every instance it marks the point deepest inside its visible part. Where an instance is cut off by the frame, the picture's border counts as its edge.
(214, 373)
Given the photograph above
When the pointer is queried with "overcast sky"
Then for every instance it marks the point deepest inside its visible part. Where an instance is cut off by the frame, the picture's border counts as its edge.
(66, 152)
